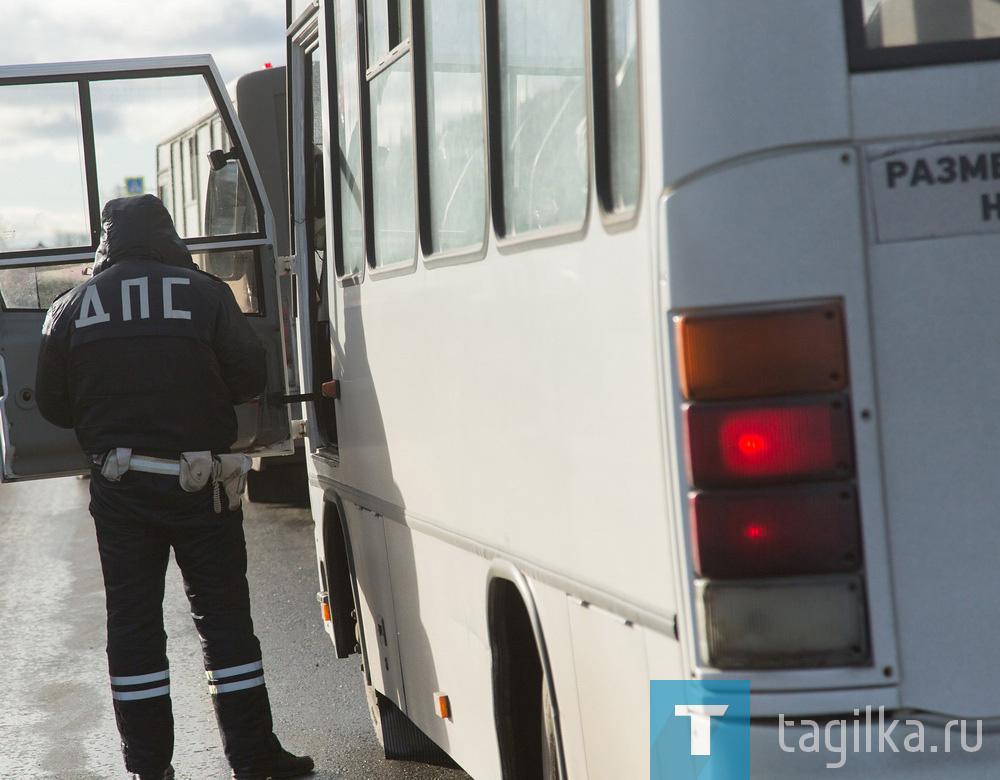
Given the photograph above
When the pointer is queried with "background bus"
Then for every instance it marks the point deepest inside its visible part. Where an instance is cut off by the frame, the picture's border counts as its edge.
(652, 343)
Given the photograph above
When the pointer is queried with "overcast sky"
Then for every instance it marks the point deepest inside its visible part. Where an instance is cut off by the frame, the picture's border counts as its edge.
(242, 35)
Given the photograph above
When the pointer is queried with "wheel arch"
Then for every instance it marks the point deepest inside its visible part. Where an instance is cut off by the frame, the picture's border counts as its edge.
(521, 664)
(338, 578)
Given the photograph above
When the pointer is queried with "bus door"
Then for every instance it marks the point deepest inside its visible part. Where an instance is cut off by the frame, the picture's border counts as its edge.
(72, 137)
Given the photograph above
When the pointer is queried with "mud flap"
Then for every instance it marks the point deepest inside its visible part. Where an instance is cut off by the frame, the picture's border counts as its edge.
(399, 736)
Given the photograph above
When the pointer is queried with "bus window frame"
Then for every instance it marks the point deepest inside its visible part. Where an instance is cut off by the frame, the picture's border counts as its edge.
(543, 237)
(421, 110)
(308, 42)
(334, 233)
(862, 59)
(398, 49)
(308, 45)
(614, 221)
(83, 82)
(305, 35)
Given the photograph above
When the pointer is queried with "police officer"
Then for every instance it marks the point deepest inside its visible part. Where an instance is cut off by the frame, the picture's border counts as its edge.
(146, 361)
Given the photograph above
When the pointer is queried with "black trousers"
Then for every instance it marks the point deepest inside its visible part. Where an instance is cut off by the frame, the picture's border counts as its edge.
(138, 521)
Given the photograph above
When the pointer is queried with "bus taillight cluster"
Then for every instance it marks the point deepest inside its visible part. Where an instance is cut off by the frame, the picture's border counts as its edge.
(775, 536)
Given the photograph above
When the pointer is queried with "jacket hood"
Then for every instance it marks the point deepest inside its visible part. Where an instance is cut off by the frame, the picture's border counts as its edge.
(136, 228)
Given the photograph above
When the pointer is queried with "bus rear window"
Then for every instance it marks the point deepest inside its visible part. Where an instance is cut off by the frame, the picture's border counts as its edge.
(909, 22)
(906, 33)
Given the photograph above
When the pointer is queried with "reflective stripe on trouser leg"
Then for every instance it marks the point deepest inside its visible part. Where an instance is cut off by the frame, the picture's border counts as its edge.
(144, 718)
(235, 678)
(243, 711)
(141, 686)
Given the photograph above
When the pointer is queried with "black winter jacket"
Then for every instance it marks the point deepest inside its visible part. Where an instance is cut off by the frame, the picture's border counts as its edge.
(151, 353)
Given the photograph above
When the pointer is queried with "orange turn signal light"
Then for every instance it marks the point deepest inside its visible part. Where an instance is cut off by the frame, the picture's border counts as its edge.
(442, 706)
(767, 352)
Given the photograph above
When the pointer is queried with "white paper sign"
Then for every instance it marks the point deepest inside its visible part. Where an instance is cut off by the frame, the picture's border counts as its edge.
(934, 189)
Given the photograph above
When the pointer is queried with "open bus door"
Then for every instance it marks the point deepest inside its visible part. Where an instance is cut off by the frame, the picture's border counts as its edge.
(72, 137)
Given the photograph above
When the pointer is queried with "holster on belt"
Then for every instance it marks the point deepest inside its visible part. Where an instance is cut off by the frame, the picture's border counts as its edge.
(116, 463)
(230, 471)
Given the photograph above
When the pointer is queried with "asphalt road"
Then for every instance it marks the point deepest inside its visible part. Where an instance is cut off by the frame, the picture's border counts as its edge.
(56, 719)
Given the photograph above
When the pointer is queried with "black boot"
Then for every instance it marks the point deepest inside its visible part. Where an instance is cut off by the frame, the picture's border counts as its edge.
(166, 774)
(279, 764)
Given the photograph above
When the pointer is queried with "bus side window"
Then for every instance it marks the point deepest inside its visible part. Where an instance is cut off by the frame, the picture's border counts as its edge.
(455, 138)
(390, 140)
(377, 25)
(616, 96)
(391, 144)
(543, 115)
(347, 206)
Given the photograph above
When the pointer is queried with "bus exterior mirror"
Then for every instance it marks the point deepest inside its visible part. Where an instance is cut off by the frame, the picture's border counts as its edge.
(217, 158)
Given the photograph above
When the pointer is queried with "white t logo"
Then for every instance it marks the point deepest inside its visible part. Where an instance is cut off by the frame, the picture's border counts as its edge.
(701, 728)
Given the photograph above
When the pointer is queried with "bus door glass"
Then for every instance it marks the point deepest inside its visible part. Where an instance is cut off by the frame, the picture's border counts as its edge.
(74, 137)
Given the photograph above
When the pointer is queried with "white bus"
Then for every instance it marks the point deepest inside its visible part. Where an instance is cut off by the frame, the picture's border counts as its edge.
(656, 344)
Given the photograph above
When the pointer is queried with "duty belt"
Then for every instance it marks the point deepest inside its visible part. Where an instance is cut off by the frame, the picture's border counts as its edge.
(194, 471)
(153, 465)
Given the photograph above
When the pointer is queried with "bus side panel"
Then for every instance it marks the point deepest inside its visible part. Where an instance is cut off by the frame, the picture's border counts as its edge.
(607, 650)
(554, 615)
(935, 314)
(377, 612)
(516, 400)
(444, 643)
(741, 77)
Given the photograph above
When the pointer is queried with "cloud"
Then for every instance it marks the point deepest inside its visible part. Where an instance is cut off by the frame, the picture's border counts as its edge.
(241, 34)
(38, 121)
(41, 184)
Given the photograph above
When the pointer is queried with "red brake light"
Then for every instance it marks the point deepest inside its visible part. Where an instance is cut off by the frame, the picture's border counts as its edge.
(776, 532)
(734, 444)
(756, 532)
